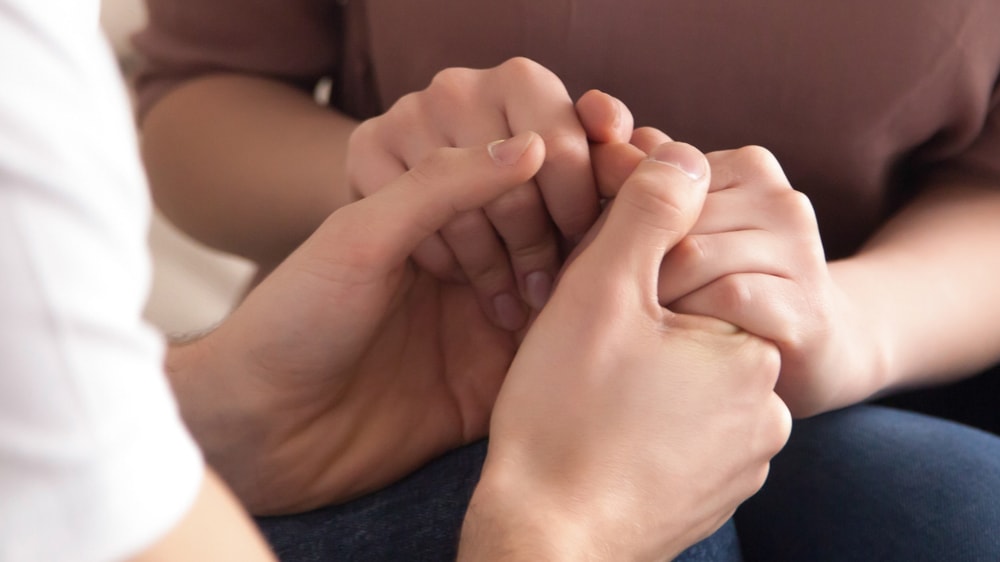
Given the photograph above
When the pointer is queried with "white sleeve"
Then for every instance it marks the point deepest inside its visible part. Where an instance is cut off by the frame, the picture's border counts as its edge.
(95, 463)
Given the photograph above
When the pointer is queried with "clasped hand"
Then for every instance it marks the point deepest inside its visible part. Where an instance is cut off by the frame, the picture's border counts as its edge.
(352, 364)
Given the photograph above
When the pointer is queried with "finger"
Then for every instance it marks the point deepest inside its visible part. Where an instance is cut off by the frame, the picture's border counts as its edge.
(698, 260)
(521, 221)
(764, 305)
(566, 180)
(749, 164)
(531, 241)
(436, 257)
(770, 207)
(378, 233)
(613, 164)
(484, 262)
(656, 207)
(604, 117)
(648, 138)
(376, 158)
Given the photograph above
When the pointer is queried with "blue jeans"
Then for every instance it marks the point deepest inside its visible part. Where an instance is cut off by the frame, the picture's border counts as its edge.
(877, 483)
(416, 519)
(863, 483)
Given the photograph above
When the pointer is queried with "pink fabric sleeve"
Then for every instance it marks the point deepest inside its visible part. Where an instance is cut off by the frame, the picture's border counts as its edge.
(291, 40)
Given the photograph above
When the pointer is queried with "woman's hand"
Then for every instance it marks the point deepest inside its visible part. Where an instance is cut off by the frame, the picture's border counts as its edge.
(755, 259)
(510, 250)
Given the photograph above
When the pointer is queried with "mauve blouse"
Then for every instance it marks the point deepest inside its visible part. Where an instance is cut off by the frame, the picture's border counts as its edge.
(860, 100)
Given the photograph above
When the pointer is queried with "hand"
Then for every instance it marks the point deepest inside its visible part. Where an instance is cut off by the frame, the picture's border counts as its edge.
(624, 428)
(509, 250)
(755, 259)
(349, 366)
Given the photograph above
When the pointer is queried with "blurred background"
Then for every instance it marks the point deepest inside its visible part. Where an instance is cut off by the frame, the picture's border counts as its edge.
(193, 286)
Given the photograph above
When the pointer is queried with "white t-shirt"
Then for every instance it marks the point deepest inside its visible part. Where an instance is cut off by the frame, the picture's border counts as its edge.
(95, 463)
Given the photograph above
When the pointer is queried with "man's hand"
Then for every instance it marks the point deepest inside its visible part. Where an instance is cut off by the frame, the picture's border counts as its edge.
(350, 366)
(509, 250)
(626, 431)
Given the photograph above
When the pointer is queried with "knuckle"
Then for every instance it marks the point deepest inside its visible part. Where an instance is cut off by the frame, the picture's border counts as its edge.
(647, 197)
(782, 424)
(689, 252)
(767, 357)
(799, 208)
(734, 294)
(452, 86)
(527, 69)
(566, 147)
(761, 357)
(364, 134)
(361, 144)
(757, 161)
(408, 105)
(758, 478)
(770, 362)
(756, 156)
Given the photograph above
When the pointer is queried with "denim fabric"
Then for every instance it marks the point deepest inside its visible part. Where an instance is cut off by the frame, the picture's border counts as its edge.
(417, 519)
(876, 483)
(863, 483)
(974, 401)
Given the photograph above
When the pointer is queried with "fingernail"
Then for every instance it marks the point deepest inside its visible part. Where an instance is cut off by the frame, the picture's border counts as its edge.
(681, 156)
(508, 152)
(509, 311)
(538, 286)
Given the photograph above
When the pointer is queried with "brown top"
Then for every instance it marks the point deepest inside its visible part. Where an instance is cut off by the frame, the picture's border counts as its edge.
(858, 99)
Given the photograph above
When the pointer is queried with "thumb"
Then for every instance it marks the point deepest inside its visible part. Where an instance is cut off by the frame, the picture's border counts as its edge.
(657, 206)
(379, 232)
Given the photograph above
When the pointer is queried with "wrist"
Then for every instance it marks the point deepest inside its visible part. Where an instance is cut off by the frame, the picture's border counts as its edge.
(867, 338)
(515, 516)
(506, 521)
(226, 420)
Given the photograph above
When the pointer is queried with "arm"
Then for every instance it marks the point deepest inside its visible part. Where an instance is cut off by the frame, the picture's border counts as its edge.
(246, 164)
(928, 283)
(241, 158)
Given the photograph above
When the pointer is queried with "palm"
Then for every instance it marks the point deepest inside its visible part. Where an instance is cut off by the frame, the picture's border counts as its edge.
(423, 382)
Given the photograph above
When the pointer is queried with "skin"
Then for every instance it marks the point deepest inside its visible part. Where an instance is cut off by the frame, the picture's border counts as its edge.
(848, 330)
(279, 411)
(383, 363)
(509, 250)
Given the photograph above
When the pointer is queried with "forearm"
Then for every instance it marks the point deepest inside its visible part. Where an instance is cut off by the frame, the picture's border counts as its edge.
(247, 165)
(927, 283)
